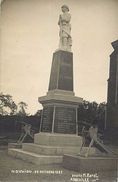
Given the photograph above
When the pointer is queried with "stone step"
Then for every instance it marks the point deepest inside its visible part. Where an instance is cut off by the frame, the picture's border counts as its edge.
(14, 145)
(55, 150)
(34, 158)
(57, 139)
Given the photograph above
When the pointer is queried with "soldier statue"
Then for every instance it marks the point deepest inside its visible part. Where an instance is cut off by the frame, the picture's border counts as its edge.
(65, 29)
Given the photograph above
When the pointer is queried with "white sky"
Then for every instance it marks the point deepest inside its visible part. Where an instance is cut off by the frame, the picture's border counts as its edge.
(29, 36)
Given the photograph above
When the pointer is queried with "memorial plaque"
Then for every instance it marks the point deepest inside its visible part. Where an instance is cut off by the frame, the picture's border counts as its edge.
(65, 120)
(65, 76)
(62, 71)
(47, 119)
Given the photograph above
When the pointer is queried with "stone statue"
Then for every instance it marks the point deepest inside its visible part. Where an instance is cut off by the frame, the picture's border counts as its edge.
(65, 29)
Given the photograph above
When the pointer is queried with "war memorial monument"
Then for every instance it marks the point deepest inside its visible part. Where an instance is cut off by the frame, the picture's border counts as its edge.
(58, 140)
(59, 123)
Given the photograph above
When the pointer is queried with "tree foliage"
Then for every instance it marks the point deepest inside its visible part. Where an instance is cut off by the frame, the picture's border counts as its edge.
(90, 112)
(38, 113)
(22, 109)
(7, 105)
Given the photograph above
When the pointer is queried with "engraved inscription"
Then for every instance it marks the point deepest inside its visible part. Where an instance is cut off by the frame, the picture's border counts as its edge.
(65, 120)
(47, 119)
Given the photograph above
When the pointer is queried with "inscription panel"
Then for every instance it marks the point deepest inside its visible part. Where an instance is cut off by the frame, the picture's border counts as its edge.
(62, 71)
(47, 119)
(65, 120)
(66, 74)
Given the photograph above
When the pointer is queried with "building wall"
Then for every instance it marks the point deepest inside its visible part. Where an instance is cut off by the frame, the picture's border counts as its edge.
(112, 99)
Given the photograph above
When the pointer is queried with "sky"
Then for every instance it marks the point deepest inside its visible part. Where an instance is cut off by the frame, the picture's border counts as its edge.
(30, 35)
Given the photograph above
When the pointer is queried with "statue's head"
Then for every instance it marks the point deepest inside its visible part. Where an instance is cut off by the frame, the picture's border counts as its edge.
(65, 8)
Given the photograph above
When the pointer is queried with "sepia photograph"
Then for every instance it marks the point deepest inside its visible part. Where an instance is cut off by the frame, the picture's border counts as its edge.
(59, 91)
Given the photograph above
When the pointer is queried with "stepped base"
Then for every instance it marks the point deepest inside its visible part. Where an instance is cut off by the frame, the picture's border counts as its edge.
(49, 148)
(39, 154)
(55, 150)
(57, 139)
(34, 158)
(14, 145)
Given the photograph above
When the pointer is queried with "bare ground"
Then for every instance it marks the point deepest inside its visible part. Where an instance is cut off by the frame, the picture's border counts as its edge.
(10, 172)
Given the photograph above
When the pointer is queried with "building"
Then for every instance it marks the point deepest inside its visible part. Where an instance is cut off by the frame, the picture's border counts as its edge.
(112, 97)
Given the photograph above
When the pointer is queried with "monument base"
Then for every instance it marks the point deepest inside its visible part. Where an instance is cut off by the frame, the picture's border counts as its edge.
(14, 145)
(60, 105)
(91, 168)
(49, 148)
(90, 164)
(60, 112)
(34, 158)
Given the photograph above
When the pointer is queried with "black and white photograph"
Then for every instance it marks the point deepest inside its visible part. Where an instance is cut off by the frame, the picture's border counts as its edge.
(58, 90)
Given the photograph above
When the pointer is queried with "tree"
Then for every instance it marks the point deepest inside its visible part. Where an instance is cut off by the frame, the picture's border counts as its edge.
(101, 114)
(22, 109)
(38, 113)
(90, 112)
(7, 105)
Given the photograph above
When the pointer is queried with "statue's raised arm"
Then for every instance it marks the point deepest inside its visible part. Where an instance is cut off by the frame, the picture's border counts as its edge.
(65, 29)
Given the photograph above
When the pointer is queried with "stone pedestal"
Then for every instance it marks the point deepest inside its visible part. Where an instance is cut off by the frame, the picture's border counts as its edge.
(59, 112)
(61, 76)
(60, 104)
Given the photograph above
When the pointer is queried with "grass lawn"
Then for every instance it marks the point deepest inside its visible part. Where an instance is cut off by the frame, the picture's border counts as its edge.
(10, 172)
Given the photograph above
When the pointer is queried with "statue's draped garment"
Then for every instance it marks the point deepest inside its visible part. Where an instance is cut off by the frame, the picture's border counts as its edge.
(65, 31)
